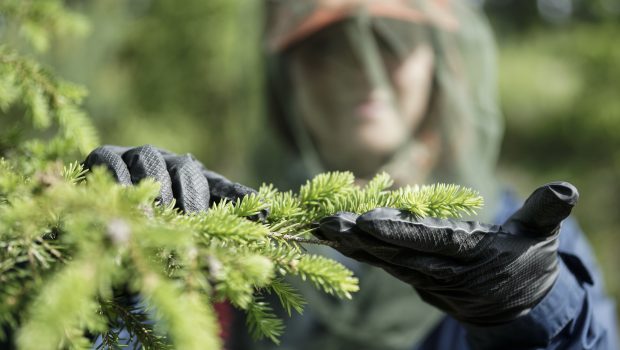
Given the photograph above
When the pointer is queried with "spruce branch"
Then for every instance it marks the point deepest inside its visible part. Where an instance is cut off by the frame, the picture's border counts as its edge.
(125, 315)
(292, 216)
(288, 296)
(183, 313)
(49, 102)
(63, 304)
(70, 239)
(216, 254)
(328, 275)
(38, 21)
(262, 322)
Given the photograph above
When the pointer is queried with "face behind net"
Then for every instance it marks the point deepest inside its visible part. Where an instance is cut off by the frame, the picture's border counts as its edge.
(464, 112)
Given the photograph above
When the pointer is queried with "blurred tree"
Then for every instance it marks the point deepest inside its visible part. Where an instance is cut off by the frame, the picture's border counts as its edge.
(184, 77)
(515, 16)
(559, 91)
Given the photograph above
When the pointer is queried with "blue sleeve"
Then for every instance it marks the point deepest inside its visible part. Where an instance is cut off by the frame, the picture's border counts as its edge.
(575, 314)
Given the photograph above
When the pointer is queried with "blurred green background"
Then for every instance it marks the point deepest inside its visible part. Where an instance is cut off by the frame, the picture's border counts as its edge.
(187, 76)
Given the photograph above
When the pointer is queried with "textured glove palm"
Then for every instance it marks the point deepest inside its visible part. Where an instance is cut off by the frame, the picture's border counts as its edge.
(479, 273)
(181, 177)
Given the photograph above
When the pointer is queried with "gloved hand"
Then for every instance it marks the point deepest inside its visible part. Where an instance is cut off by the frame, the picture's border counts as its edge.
(181, 176)
(479, 273)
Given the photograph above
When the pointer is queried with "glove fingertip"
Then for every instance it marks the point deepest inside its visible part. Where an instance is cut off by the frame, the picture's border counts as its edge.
(564, 191)
(552, 203)
(146, 161)
(544, 210)
(340, 222)
(105, 157)
(189, 187)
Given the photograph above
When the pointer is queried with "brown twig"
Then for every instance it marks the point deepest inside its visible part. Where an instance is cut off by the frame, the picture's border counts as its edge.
(303, 240)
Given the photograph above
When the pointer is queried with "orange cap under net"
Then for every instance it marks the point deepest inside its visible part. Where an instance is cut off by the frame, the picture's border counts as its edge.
(290, 21)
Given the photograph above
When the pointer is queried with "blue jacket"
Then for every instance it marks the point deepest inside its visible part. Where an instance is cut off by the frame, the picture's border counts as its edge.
(576, 314)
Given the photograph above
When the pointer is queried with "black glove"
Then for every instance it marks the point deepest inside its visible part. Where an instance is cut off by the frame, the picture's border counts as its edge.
(181, 176)
(479, 273)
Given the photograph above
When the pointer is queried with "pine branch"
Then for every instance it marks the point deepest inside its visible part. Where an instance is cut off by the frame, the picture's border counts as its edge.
(262, 322)
(74, 173)
(292, 216)
(327, 274)
(67, 242)
(49, 102)
(288, 296)
(123, 314)
(64, 303)
(189, 321)
(238, 256)
(439, 200)
(38, 21)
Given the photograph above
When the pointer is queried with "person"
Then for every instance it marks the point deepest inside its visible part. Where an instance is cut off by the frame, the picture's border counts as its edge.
(408, 86)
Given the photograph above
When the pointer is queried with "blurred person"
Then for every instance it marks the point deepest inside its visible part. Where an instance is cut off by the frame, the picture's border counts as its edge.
(407, 87)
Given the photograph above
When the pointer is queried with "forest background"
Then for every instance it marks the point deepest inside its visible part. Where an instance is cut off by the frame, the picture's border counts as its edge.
(187, 76)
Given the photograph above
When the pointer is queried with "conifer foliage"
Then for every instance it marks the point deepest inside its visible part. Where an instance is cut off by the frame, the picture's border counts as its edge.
(83, 259)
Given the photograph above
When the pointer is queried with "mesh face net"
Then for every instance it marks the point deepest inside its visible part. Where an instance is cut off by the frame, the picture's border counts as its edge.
(381, 33)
